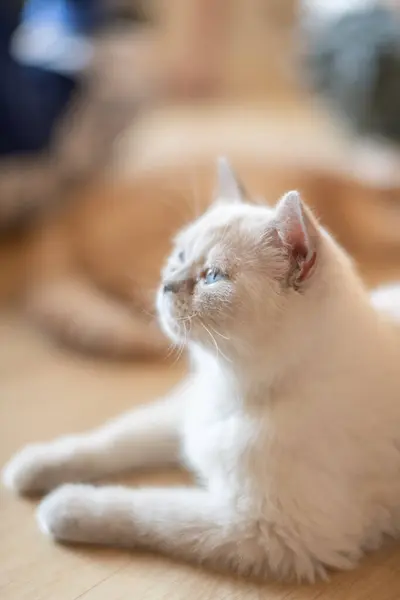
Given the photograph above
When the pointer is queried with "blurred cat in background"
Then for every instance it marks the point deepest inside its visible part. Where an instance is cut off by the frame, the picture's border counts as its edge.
(88, 272)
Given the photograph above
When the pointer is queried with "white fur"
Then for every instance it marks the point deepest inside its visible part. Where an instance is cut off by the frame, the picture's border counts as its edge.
(290, 418)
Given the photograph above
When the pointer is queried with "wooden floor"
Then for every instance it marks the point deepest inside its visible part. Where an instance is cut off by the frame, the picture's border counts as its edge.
(44, 393)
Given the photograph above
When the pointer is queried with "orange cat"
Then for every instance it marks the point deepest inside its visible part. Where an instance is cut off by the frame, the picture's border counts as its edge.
(88, 273)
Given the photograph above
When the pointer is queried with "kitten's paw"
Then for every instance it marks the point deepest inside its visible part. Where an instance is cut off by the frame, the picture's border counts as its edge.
(68, 513)
(27, 471)
(37, 468)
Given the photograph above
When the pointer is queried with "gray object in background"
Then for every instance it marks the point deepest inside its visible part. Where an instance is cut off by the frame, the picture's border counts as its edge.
(354, 62)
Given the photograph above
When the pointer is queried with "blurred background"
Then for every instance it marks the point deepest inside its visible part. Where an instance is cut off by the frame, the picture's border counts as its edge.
(112, 113)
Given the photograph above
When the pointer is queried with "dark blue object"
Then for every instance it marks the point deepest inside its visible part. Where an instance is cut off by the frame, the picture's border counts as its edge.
(33, 96)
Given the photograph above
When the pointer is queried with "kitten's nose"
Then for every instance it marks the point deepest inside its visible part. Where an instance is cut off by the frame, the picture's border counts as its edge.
(179, 285)
(171, 286)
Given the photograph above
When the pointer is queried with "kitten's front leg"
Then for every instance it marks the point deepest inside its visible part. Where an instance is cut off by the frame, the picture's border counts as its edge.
(187, 523)
(148, 436)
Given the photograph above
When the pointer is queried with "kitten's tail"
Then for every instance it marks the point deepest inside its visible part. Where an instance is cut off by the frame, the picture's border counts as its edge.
(76, 314)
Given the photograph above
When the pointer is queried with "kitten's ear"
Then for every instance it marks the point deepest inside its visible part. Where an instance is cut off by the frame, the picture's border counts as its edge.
(298, 232)
(229, 188)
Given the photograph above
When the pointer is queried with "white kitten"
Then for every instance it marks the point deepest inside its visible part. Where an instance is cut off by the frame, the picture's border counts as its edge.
(290, 417)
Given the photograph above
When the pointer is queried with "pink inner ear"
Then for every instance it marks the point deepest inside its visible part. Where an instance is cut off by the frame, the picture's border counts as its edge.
(295, 237)
(294, 230)
(307, 267)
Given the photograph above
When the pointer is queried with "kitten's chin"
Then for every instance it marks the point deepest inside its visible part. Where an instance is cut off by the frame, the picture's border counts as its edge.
(169, 325)
(172, 329)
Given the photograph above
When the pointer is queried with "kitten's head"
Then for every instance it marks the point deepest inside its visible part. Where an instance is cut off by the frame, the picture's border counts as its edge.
(233, 271)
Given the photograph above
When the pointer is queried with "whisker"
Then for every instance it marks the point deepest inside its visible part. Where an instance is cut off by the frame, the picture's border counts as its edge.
(148, 313)
(178, 348)
(183, 319)
(170, 350)
(219, 351)
(224, 337)
(182, 345)
(212, 337)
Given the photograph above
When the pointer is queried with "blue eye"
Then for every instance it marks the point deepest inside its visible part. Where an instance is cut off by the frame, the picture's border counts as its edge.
(212, 276)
